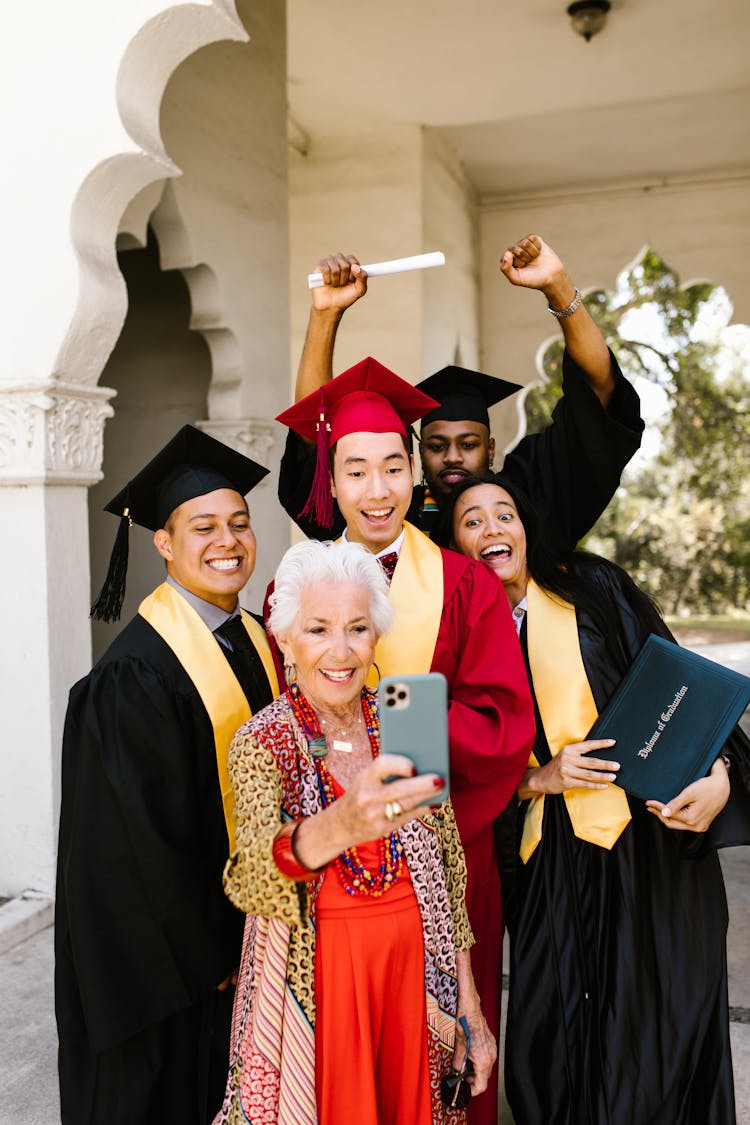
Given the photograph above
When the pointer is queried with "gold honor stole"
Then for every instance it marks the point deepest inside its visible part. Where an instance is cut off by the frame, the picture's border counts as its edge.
(199, 653)
(416, 594)
(568, 711)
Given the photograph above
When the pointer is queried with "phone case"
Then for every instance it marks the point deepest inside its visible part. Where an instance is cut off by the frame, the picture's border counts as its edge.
(414, 722)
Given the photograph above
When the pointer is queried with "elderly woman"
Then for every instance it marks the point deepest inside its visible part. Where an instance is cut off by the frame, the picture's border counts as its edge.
(618, 987)
(355, 966)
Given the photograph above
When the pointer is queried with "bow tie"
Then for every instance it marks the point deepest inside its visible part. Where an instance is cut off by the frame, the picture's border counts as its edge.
(388, 563)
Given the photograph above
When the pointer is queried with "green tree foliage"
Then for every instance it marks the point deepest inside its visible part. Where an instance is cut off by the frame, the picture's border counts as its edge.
(680, 523)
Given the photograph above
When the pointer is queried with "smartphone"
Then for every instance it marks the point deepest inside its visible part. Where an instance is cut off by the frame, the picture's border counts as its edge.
(414, 722)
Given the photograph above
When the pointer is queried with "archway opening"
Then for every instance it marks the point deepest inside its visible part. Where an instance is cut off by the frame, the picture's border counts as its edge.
(679, 521)
(161, 370)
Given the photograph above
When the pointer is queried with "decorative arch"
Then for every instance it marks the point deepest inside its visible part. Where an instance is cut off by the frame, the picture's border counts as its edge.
(604, 298)
(176, 252)
(115, 199)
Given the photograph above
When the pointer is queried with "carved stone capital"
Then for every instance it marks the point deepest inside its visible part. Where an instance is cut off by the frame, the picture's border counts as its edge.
(252, 436)
(52, 433)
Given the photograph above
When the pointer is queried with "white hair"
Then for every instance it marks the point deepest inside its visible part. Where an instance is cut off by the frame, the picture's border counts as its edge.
(307, 563)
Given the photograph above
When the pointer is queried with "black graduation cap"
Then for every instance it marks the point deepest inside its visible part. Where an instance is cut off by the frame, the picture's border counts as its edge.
(191, 464)
(464, 395)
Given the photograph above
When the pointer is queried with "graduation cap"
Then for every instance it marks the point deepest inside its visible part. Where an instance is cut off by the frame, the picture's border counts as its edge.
(191, 464)
(464, 395)
(366, 398)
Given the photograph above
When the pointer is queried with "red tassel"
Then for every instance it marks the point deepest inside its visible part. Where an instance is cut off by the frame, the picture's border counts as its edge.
(319, 506)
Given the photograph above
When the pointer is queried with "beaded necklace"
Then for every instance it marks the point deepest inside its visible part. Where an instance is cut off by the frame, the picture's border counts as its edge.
(355, 876)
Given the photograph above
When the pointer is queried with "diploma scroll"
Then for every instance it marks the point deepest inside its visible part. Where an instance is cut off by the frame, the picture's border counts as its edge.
(396, 265)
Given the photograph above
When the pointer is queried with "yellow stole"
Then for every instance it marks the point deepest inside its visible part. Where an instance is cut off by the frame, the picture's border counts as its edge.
(199, 653)
(416, 594)
(568, 711)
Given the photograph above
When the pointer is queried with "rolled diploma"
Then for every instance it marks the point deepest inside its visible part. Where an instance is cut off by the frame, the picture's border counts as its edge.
(396, 265)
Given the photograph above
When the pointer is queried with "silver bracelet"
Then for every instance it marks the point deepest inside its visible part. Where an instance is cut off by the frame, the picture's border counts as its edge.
(561, 314)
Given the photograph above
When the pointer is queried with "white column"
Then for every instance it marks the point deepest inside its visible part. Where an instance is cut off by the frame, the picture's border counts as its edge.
(50, 452)
(89, 83)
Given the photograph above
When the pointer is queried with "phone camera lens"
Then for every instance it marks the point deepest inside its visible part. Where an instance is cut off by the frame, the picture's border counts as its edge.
(402, 695)
(391, 702)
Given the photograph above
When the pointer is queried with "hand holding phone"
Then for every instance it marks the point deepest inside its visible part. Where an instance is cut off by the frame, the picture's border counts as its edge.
(414, 722)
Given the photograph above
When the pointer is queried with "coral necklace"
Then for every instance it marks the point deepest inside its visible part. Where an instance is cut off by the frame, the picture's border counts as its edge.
(355, 876)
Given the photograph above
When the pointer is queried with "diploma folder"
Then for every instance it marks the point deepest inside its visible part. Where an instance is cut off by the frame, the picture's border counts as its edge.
(670, 715)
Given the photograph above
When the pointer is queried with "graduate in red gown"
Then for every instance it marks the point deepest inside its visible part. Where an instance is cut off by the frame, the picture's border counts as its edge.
(448, 619)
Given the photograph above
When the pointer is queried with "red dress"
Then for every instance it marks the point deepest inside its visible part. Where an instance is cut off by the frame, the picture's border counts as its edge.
(371, 1054)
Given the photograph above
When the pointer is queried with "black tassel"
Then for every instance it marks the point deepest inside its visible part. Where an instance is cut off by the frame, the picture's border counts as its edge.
(108, 606)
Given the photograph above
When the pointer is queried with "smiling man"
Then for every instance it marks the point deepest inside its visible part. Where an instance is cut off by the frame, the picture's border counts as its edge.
(146, 942)
(455, 439)
(448, 619)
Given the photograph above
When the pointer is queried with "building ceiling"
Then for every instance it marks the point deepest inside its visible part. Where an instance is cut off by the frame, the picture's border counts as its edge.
(662, 93)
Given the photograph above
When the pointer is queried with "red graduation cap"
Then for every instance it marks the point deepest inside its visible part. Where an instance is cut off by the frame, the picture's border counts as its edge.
(366, 398)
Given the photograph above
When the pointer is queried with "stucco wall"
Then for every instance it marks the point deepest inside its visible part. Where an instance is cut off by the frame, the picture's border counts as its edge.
(380, 196)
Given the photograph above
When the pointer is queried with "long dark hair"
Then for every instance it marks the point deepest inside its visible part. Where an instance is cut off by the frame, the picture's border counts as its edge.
(571, 575)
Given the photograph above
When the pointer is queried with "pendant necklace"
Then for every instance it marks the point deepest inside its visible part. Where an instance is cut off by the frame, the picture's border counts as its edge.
(341, 744)
(355, 876)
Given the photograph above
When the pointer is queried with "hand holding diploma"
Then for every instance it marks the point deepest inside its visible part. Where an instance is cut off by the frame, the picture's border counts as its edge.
(571, 769)
(395, 265)
(343, 281)
(338, 282)
(698, 804)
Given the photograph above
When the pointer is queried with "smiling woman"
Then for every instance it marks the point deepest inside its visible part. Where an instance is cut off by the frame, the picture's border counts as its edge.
(347, 874)
(487, 527)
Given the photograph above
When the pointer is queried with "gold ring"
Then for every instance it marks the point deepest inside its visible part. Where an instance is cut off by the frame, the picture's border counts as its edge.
(392, 810)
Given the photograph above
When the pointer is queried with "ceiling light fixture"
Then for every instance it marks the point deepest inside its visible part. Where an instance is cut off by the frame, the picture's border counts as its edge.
(588, 16)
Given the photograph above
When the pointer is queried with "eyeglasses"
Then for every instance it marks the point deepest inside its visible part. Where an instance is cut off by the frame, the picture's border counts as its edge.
(455, 1090)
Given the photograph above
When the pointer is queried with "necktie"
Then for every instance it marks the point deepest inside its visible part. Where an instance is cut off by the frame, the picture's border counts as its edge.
(245, 663)
(388, 563)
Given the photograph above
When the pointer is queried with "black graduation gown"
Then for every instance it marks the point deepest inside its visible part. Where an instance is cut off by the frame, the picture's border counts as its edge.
(618, 1010)
(144, 932)
(570, 470)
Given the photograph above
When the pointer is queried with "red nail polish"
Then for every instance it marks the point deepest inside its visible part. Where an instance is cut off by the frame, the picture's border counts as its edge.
(414, 771)
(439, 783)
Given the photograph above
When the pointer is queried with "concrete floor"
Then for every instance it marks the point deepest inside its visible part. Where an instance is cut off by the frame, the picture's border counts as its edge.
(28, 1076)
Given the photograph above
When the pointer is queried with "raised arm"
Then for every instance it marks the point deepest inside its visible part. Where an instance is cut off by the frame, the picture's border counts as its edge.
(532, 264)
(572, 468)
(344, 282)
